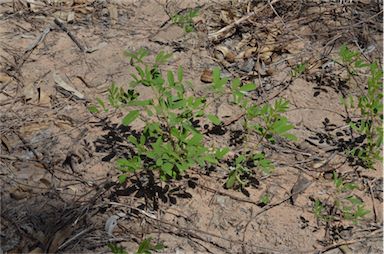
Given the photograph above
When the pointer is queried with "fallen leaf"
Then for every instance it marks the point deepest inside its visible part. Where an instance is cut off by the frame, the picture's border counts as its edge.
(62, 84)
(4, 78)
(249, 52)
(18, 195)
(59, 238)
(228, 54)
(30, 92)
(113, 13)
(30, 128)
(260, 68)
(36, 251)
(300, 185)
(295, 47)
(71, 17)
(226, 17)
(83, 10)
(206, 76)
(35, 5)
(63, 15)
(78, 2)
(111, 224)
(44, 97)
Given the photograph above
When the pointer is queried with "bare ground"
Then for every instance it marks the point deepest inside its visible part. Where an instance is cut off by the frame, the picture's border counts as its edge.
(58, 179)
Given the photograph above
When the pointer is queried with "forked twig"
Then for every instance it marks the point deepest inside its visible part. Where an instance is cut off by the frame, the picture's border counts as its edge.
(73, 38)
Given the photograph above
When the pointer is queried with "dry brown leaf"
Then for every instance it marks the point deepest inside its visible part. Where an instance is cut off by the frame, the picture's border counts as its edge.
(36, 251)
(62, 84)
(113, 14)
(61, 2)
(260, 68)
(226, 17)
(249, 52)
(35, 5)
(83, 1)
(59, 238)
(228, 54)
(4, 78)
(295, 47)
(18, 195)
(246, 38)
(206, 76)
(63, 15)
(30, 128)
(46, 182)
(44, 97)
(71, 17)
(30, 92)
(84, 10)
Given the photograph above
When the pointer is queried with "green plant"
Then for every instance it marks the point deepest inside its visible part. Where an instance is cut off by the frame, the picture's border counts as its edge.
(266, 122)
(185, 21)
(351, 207)
(265, 199)
(298, 70)
(347, 205)
(320, 212)
(370, 105)
(171, 142)
(146, 247)
(116, 249)
(242, 170)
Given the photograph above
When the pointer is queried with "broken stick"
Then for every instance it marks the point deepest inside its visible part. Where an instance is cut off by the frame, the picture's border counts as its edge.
(73, 38)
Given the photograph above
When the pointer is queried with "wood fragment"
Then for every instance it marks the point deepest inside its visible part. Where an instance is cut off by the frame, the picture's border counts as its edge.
(73, 38)
(28, 50)
(39, 39)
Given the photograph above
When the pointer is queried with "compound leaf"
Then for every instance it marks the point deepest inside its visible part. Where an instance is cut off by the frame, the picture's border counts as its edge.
(214, 119)
(130, 117)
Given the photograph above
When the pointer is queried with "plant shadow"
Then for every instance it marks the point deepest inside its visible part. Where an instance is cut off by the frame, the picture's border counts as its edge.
(342, 139)
(145, 184)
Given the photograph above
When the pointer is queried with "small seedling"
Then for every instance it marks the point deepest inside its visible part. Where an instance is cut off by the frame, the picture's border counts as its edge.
(264, 199)
(347, 205)
(370, 105)
(351, 207)
(266, 122)
(320, 212)
(115, 249)
(185, 21)
(298, 70)
(146, 247)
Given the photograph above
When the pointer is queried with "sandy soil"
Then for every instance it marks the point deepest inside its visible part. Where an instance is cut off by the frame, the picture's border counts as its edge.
(58, 176)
